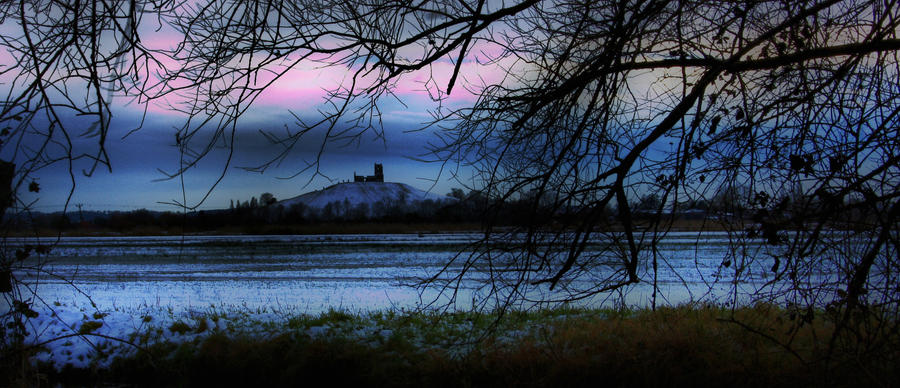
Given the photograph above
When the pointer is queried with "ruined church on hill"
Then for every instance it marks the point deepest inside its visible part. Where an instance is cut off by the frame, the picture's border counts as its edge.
(378, 177)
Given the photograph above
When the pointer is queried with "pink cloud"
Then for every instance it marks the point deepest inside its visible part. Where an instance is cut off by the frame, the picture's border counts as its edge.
(476, 72)
(301, 85)
(308, 82)
(305, 85)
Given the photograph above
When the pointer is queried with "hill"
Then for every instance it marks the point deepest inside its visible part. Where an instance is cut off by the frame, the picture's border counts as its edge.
(370, 198)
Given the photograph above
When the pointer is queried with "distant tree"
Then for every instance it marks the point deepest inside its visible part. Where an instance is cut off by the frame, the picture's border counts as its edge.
(426, 209)
(328, 211)
(457, 193)
(697, 204)
(649, 203)
(361, 211)
(267, 199)
(345, 208)
(380, 209)
(62, 222)
(279, 215)
(253, 203)
(296, 212)
(730, 199)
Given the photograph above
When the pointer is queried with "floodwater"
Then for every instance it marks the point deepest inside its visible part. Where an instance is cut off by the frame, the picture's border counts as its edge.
(368, 272)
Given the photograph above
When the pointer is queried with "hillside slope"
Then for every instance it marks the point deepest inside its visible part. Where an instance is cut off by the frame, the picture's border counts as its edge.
(371, 193)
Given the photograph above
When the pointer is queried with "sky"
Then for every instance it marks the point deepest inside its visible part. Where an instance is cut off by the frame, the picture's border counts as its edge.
(135, 180)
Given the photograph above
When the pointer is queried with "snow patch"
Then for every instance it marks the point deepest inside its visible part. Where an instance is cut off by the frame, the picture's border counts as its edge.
(370, 193)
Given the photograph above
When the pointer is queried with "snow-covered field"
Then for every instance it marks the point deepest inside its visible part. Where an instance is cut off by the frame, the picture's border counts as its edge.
(134, 285)
(310, 273)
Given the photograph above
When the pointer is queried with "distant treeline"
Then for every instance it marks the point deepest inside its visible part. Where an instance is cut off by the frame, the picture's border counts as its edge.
(461, 208)
(472, 208)
(243, 214)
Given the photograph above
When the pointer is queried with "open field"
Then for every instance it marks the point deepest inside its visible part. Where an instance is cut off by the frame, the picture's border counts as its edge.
(359, 272)
(260, 310)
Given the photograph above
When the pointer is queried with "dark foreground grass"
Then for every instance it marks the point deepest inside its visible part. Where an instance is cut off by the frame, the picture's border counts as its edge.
(684, 346)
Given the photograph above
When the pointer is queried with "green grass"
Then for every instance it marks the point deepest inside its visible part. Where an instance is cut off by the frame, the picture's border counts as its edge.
(682, 346)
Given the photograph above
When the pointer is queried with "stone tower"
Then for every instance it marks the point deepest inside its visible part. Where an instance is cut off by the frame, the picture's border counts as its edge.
(379, 173)
(378, 177)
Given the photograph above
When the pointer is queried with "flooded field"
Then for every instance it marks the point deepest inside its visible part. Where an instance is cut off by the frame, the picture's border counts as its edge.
(350, 272)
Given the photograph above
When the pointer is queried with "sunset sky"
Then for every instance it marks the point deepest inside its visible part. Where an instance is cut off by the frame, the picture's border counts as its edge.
(134, 182)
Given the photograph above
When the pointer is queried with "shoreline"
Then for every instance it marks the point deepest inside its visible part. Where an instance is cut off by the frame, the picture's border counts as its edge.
(332, 228)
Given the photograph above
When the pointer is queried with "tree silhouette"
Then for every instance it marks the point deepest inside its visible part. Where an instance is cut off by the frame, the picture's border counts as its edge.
(597, 104)
(267, 199)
